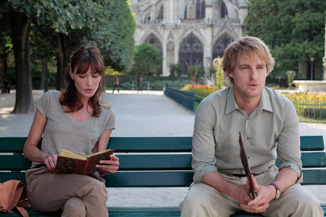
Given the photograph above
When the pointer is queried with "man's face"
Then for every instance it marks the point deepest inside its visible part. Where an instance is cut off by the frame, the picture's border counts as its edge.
(249, 76)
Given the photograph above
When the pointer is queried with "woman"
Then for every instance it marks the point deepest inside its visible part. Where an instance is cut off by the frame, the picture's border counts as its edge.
(75, 120)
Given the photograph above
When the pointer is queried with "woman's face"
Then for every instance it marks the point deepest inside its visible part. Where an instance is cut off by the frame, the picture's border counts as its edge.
(87, 83)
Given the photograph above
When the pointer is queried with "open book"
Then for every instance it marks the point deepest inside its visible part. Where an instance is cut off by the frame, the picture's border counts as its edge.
(69, 162)
(245, 163)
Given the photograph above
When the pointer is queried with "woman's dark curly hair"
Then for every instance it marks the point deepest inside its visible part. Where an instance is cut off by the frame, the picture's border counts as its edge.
(83, 59)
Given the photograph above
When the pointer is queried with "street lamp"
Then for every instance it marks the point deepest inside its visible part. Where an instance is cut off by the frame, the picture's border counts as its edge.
(312, 68)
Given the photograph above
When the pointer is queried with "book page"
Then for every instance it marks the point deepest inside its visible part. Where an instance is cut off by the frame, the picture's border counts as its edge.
(66, 153)
(98, 153)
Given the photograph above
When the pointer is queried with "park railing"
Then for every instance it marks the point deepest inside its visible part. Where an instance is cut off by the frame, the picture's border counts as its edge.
(310, 106)
(310, 112)
(186, 99)
(142, 85)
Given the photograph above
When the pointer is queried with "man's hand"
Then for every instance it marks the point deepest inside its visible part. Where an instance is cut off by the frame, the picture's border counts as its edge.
(264, 194)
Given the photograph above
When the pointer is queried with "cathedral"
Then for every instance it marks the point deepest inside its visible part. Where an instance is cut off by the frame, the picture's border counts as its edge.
(189, 32)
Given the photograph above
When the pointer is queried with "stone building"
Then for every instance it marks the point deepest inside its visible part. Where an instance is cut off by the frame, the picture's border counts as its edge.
(189, 32)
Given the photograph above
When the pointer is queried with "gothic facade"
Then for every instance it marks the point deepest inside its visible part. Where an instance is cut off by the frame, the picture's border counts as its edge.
(188, 32)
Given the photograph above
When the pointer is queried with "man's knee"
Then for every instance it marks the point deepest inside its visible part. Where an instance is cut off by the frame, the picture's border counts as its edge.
(310, 206)
(202, 204)
(296, 202)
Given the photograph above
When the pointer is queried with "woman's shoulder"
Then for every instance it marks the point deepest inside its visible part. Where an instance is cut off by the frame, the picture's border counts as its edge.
(106, 108)
(50, 95)
(105, 105)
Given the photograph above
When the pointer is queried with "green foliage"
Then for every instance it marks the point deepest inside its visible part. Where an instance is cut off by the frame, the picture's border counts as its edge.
(293, 29)
(147, 60)
(219, 72)
(175, 70)
(108, 24)
(110, 71)
(114, 33)
(195, 71)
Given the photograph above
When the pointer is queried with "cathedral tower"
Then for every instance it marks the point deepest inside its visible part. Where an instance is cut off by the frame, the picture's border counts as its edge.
(189, 32)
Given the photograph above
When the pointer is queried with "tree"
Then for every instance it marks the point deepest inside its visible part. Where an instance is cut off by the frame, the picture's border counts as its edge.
(43, 48)
(5, 49)
(175, 70)
(73, 23)
(293, 29)
(147, 60)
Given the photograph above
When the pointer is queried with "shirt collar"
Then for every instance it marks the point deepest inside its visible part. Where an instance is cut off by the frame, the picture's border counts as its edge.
(264, 104)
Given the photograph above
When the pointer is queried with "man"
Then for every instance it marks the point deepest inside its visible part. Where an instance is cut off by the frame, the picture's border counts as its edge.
(270, 129)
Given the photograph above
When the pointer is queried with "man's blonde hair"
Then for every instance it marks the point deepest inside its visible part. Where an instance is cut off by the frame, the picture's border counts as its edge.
(246, 46)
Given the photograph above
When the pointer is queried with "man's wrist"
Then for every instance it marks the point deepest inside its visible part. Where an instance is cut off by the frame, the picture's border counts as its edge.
(277, 190)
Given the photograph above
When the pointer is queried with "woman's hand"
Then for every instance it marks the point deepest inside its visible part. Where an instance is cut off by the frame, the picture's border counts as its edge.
(109, 166)
(50, 160)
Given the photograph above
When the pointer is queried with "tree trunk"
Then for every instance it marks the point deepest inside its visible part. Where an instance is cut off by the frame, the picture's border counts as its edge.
(4, 64)
(43, 74)
(103, 83)
(62, 60)
(20, 24)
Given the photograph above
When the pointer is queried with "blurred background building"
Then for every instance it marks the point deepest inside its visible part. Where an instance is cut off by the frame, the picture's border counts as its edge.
(189, 32)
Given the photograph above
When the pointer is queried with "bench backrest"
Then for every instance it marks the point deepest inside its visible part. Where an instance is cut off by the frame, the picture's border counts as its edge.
(156, 161)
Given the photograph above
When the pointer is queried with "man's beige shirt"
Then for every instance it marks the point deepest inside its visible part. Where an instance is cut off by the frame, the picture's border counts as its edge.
(270, 132)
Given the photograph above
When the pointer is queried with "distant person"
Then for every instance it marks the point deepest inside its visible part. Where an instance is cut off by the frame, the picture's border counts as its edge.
(115, 83)
(76, 120)
(6, 85)
(270, 128)
(139, 79)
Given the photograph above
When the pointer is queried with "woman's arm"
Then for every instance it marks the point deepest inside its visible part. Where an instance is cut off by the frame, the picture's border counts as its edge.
(31, 151)
(108, 166)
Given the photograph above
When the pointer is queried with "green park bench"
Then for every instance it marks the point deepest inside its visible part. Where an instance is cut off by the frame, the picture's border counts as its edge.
(153, 162)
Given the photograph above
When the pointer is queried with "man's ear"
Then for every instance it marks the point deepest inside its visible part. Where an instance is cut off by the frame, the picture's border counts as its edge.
(230, 74)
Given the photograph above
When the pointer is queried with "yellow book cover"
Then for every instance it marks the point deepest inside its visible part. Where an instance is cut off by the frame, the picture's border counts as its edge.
(69, 162)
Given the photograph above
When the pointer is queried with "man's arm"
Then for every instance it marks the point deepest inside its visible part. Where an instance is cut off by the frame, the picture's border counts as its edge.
(285, 179)
(238, 192)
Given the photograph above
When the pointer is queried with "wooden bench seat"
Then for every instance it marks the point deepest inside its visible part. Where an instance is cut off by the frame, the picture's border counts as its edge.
(154, 162)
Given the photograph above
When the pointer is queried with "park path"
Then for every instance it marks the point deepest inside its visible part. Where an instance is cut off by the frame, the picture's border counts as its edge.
(137, 114)
(148, 113)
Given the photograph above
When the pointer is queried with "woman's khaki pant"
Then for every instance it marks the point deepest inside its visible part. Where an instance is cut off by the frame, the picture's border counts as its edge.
(75, 195)
(203, 201)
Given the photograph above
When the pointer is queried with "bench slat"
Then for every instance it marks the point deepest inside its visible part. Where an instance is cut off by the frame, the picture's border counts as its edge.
(134, 211)
(312, 143)
(149, 179)
(316, 159)
(150, 162)
(157, 144)
(314, 177)
(15, 144)
(14, 162)
(165, 178)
